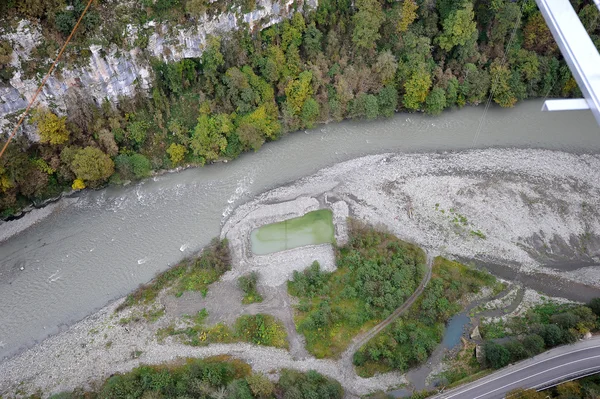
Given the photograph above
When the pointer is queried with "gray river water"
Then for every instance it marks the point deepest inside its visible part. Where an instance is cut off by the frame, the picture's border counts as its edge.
(97, 249)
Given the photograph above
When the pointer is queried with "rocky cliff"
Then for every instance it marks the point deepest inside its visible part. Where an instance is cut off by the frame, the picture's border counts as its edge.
(114, 72)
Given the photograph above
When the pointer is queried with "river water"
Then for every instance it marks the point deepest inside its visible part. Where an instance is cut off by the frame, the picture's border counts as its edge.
(85, 254)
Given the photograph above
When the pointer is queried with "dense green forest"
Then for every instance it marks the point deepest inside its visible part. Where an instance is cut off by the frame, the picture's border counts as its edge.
(376, 272)
(344, 59)
(219, 377)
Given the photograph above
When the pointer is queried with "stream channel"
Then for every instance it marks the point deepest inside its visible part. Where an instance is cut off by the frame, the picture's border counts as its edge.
(100, 245)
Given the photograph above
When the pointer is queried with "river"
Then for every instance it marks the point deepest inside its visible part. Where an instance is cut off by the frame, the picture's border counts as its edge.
(107, 242)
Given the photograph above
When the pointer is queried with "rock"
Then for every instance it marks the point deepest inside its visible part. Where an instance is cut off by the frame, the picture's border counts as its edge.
(475, 334)
(588, 335)
(479, 353)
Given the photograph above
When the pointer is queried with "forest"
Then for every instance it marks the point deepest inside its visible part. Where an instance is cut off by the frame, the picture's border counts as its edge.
(365, 59)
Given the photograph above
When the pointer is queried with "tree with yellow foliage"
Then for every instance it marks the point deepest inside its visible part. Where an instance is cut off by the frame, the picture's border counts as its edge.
(51, 128)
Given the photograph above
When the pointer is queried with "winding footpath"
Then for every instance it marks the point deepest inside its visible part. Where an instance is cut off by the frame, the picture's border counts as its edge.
(345, 362)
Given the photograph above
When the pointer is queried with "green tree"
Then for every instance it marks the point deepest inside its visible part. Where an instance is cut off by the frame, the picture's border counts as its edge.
(367, 21)
(310, 112)
(496, 355)
(521, 393)
(459, 27)
(533, 344)
(210, 135)
(436, 101)
(51, 128)
(298, 91)
(260, 385)
(387, 100)
(595, 306)
(92, 166)
(416, 89)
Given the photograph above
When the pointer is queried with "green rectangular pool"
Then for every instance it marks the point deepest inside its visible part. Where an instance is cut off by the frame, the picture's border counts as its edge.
(313, 228)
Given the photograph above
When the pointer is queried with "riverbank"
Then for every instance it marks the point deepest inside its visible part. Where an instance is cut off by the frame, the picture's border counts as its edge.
(509, 207)
(532, 212)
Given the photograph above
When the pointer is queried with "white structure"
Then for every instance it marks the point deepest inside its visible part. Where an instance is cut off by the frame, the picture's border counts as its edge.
(579, 52)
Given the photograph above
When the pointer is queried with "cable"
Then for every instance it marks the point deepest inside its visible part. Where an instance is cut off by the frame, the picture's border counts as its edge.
(45, 79)
(487, 105)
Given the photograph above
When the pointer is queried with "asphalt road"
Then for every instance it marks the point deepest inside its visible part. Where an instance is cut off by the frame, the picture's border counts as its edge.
(551, 367)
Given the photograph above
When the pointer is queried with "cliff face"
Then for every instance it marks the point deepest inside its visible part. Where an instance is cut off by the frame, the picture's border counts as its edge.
(111, 73)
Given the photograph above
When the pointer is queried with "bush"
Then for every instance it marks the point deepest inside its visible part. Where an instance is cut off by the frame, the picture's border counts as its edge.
(293, 384)
(247, 284)
(533, 344)
(260, 385)
(496, 355)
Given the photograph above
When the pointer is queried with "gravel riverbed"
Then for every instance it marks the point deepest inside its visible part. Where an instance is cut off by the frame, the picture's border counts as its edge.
(518, 212)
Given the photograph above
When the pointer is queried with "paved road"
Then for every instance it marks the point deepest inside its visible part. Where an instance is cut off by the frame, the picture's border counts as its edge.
(551, 367)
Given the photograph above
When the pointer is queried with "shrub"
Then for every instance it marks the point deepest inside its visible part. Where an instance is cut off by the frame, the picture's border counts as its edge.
(260, 385)
(496, 355)
(247, 284)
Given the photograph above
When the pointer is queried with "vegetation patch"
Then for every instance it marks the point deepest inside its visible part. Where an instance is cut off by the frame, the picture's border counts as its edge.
(584, 388)
(191, 274)
(542, 327)
(376, 273)
(217, 377)
(411, 338)
(247, 284)
(259, 329)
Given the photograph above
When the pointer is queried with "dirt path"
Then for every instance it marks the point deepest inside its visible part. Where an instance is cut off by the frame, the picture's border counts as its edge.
(345, 361)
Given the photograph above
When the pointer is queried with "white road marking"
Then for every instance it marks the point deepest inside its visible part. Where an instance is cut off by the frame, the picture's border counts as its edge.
(518, 370)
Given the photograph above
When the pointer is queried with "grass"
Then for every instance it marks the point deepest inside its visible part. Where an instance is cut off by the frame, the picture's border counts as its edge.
(191, 274)
(376, 273)
(259, 329)
(410, 340)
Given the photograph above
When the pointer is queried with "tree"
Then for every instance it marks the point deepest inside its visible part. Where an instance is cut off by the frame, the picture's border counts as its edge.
(310, 112)
(496, 355)
(503, 94)
(196, 8)
(436, 101)
(537, 36)
(298, 91)
(408, 14)
(386, 67)
(387, 100)
(210, 135)
(552, 335)
(459, 27)
(312, 41)
(521, 393)
(367, 21)
(533, 344)
(569, 390)
(507, 18)
(92, 165)
(176, 153)
(260, 385)
(416, 89)
(51, 128)
(595, 306)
